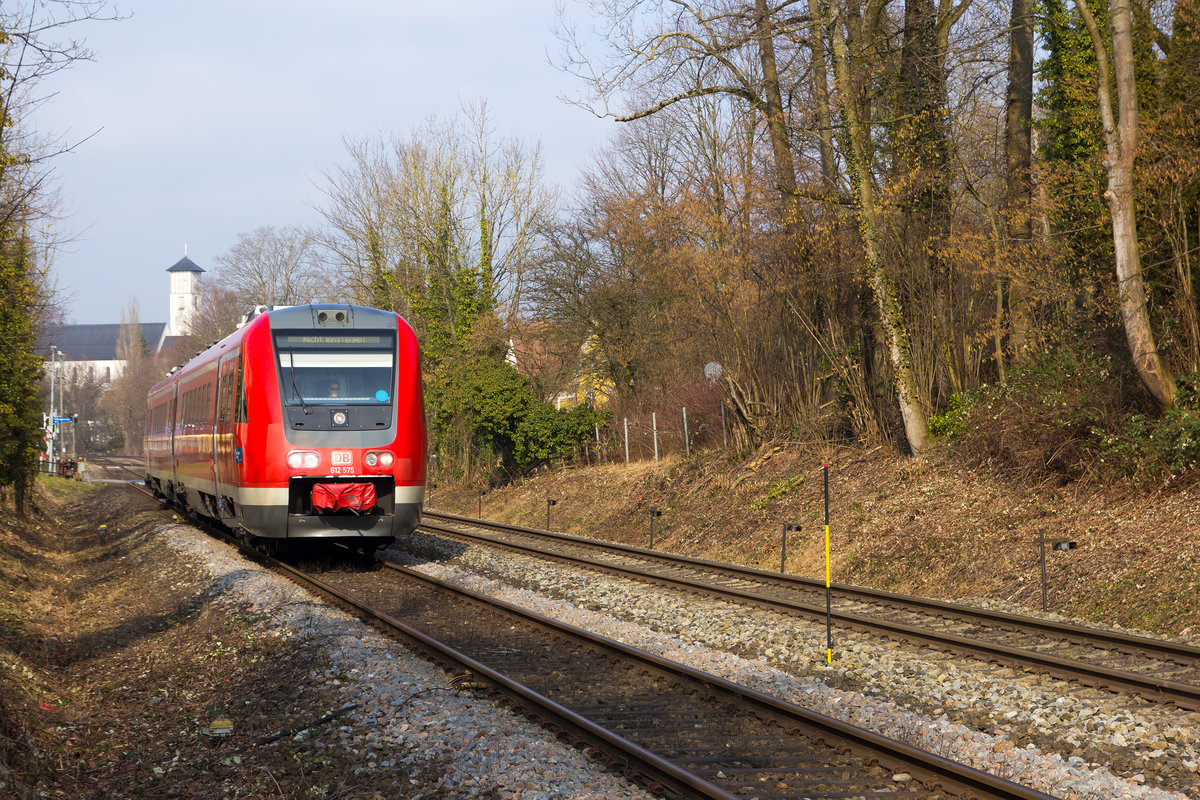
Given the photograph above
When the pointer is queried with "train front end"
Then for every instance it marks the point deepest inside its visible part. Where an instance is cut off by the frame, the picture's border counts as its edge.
(345, 442)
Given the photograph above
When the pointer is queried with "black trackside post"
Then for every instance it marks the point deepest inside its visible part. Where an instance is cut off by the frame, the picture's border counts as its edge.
(783, 550)
(828, 585)
(548, 504)
(1042, 543)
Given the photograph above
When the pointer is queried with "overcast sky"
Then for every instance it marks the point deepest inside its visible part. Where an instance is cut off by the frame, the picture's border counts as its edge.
(216, 118)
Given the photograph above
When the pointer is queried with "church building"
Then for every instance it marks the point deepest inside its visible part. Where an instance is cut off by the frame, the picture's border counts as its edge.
(94, 347)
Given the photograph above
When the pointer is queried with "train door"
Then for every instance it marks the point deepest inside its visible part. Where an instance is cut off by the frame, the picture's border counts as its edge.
(226, 455)
(173, 427)
(212, 397)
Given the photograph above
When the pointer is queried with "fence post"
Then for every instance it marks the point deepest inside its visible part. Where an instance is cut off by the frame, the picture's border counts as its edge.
(654, 425)
(626, 441)
(687, 441)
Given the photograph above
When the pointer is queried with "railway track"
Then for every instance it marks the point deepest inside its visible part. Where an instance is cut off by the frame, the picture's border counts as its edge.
(674, 729)
(677, 731)
(114, 468)
(1155, 669)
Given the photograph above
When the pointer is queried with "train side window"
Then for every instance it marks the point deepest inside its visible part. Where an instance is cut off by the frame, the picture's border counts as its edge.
(223, 393)
(240, 383)
(230, 387)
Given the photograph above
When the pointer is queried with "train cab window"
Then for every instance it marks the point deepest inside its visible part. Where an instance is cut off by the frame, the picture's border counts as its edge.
(322, 371)
(337, 369)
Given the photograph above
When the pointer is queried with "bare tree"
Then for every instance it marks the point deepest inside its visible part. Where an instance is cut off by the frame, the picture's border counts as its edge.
(657, 46)
(360, 236)
(1121, 145)
(852, 33)
(273, 266)
(125, 401)
(36, 41)
(1018, 193)
(220, 314)
(451, 193)
(515, 207)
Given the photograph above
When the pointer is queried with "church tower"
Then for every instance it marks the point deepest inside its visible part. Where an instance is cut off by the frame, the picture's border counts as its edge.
(185, 296)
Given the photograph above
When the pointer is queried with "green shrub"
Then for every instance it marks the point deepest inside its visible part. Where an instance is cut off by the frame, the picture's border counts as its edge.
(1071, 414)
(951, 424)
(1152, 448)
(1048, 419)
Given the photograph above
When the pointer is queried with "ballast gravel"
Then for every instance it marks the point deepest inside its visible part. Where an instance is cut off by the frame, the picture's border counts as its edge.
(459, 745)
(462, 746)
(972, 712)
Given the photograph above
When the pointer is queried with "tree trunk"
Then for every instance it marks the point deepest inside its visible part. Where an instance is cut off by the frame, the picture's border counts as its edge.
(777, 130)
(921, 158)
(891, 315)
(1120, 138)
(1018, 190)
(820, 79)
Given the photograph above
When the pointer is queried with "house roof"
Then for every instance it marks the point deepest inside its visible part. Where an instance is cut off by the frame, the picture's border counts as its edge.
(184, 264)
(96, 342)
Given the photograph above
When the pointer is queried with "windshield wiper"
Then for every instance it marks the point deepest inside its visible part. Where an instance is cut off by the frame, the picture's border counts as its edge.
(295, 388)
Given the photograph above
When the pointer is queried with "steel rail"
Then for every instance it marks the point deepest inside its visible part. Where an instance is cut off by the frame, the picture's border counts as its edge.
(1160, 689)
(657, 769)
(652, 771)
(959, 776)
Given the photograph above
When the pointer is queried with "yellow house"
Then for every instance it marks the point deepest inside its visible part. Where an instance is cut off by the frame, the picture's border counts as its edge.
(564, 381)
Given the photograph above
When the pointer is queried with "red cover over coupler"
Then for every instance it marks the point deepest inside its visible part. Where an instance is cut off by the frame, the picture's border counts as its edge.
(336, 496)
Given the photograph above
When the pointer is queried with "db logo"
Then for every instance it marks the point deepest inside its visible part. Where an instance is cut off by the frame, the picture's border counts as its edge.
(342, 458)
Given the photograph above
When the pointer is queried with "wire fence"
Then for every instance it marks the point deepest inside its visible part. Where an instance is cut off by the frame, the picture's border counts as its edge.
(656, 435)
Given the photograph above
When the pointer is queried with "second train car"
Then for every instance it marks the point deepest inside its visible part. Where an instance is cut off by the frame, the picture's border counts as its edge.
(305, 423)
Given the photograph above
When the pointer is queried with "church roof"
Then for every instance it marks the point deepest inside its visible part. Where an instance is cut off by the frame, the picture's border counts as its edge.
(184, 264)
(96, 342)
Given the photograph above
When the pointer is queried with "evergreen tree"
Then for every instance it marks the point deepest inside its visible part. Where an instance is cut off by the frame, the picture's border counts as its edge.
(20, 369)
(1072, 148)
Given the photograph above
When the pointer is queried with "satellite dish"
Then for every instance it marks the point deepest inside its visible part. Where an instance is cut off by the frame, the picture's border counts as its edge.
(713, 370)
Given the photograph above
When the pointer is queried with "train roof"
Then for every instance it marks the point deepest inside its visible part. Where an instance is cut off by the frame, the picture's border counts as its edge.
(315, 315)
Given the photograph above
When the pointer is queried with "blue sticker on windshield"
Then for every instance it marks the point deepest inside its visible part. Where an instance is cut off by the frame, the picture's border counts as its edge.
(381, 396)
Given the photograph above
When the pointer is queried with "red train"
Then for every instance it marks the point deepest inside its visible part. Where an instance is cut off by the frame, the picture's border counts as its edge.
(305, 423)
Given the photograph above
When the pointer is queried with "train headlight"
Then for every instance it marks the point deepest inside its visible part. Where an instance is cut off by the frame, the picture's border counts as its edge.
(303, 459)
(339, 418)
(382, 458)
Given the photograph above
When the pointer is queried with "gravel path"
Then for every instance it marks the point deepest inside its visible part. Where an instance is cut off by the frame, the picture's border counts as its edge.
(1066, 740)
(459, 745)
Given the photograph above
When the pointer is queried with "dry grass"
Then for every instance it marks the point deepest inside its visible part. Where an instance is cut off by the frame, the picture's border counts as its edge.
(116, 662)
